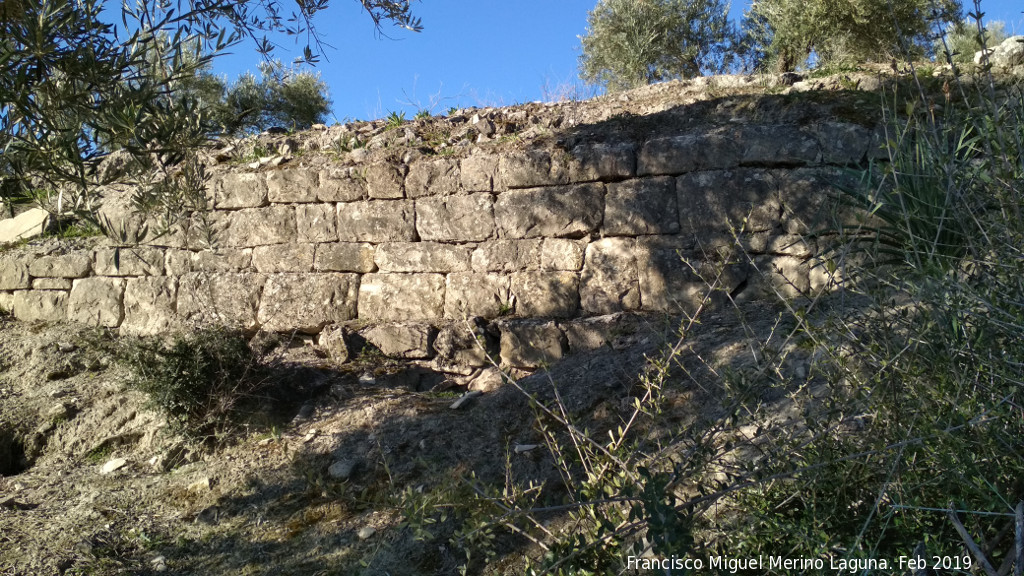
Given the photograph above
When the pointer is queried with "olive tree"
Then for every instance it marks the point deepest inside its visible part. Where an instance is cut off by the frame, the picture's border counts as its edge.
(631, 43)
(289, 98)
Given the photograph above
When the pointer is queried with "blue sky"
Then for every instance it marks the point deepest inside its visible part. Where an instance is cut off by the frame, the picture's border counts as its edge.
(470, 53)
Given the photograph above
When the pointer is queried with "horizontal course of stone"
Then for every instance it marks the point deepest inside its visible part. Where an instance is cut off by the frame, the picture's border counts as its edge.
(543, 233)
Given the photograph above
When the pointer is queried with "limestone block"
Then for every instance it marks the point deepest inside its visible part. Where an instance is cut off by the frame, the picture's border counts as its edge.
(789, 276)
(667, 283)
(810, 200)
(307, 302)
(779, 145)
(62, 266)
(672, 155)
(781, 244)
(44, 305)
(472, 294)
(6, 302)
(134, 261)
(562, 254)
(531, 344)
(507, 255)
(842, 143)
(334, 340)
(456, 218)
(609, 281)
(52, 284)
(177, 262)
(717, 202)
(283, 258)
(97, 301)
(466, 344)
(240, 190)
(221, 260)
(149, 305)
(220, 298)
(477, 172)
(410, 341)
(617, 331)
(558, 211)
(643, 206)
(344, 257)
(401, 297)
(527, 169)
(436, 177)
(317, 222)
(599, 161)
(259, 227)
(293, 185)
(28, 224)
(546, 294)
(421, 257)
(340, 186)
(377, 221)
(385, 180)
(13, 273)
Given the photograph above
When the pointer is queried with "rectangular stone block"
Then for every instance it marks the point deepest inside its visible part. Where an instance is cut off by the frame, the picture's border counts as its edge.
(62, 266)
(97, 301)
(52, 284)
(433, 177)
(133, 261)
(470, 294)
(421, 257)
(562, 254)
(221, 260)
(778, 145)
(558, 211)
(307, 302)
(667, 283)
(609, 281)
(220, 299)
(642, 206)
(377, 221)
(410, 341)
(149, 306)
(28, 224)
(240, 190)
(809, 198)
(552, 294)
(283, 258)
(344, 257)
(259, 227)
(593, 162)
(291, 185)
(401, 297)
(456, 218)
(317, 222)
(673, 155)
(385, 180)
(719, 202)
(843, 144)
(531, 344)
(527, 169)
(40, 305)
(14, 273)
(338, 185)
(477, 172)
(507, 255)
(6, 302)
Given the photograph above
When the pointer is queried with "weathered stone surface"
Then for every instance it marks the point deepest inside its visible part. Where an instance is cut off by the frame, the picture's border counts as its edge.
(455, 218)
(317, 222)
(562, 254)
(644, 206)
(411, 341)
(377, 221)
(52, 284)
(507, 255)
(527, 169)
(401, 297)
(477, 172)
(671, 155)
(97, 301)
(307, 302)
(7, 302)
(667, 283)
(338, 185)
(149, 305)
(717, 202)
(546, 294)
(220, 260)
(465, 345)
(345, 257)
(470, 294)
(609, 282)
(437, 177)
(13, 273)
(616, 331)
(1008, 54)
(783, 245)
(220, 299)
(134, 261)
(531, 344)
(842, 143)
(334, 340)
(45, 305)
(283, 258)
(259, 227)
(385, 180)
(293, 185)
(28, 224)
(600, 161)
(63, 266)
(778, 145)
(559, 211)
(240, 190)
(810, 199)
(421, 257)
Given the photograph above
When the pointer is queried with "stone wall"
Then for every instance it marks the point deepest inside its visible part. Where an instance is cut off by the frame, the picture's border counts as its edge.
(538, 238)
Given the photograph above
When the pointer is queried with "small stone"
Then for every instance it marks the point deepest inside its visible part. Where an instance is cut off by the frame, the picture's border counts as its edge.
(159, 564)
(309, 436)
(465, 398)
(112, 465)
(366, 532)
(341, 470)
(367, 379)
(66, 347)
(520, 448)
(59, 411)
(200, 486)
